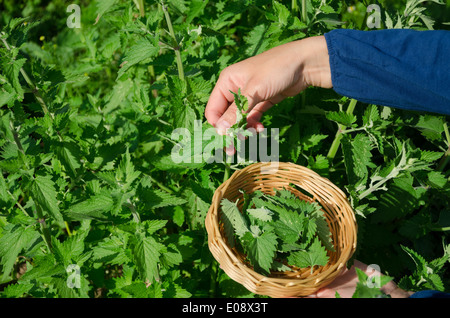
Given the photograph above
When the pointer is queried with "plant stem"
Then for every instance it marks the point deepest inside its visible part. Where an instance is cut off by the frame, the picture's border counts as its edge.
(67, 228)
(19, 145)
(373, 188)
(441, 229)
(161, 186)
(446, 158)
(134, 212)
(177, 47)
(141, 7)
(213, 284)
(226, 173)
(44, 228)
(447, 133)
(295, 8)
(346, 131)
(304, 13)
(337, 139)
(17, 203)
(33, 87)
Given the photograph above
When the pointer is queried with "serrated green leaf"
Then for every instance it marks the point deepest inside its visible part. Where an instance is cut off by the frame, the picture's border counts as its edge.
(154, 225)
(233, 219)
(4, 197)
(12, 241)
(70, 251)
(119, 93)
(103, 6)
(281, 12)
(11, 70)
(357, 157)
(289, 226)
(430, 156)
(171, 256)
(342, 118)
(68, 154)
(430, 126)
(435, 282)
(7, 94)
(437, 179)
(126, 172)
(142, 290)
(371, 115)
(44, 268)
(323, 230)
(316, 255)
(256, 40)
(142, 51)
(64, 290)
(111, 251)
(366, 287)
(174, 290)
(44, 195)
(184, 116)
(157, 199)
(421, 263)
(16, 290)
(260, 250)
(146, 254)
(319, 164)
(262, 214)
(93, 208)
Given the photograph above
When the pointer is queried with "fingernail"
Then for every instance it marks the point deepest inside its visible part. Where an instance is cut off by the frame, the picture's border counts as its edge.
(230, 150)
(222, 127)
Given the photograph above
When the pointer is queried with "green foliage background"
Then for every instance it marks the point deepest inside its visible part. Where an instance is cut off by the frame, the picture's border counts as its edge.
(86, 117)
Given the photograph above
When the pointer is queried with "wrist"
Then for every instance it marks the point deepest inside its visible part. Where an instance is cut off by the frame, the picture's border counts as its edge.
(315, 64)
(394, 291)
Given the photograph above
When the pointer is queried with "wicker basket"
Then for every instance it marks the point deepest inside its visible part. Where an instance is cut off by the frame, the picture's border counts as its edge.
(301, 282)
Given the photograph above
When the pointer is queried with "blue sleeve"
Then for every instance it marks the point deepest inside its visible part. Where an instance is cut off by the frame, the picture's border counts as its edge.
(430, 294)
(399, 68)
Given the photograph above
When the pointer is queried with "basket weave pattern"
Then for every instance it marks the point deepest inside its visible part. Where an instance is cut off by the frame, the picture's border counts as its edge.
(299, 282)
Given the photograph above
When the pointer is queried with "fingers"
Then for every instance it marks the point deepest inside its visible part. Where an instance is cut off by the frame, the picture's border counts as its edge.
(255, 114)
(220, 110)
(219, 100)
(227, 119)
(231, 79)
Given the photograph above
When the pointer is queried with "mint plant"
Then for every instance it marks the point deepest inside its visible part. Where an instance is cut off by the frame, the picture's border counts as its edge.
(279, 231)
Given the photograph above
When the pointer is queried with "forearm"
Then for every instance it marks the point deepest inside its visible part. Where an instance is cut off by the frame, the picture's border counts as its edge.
(315, 61)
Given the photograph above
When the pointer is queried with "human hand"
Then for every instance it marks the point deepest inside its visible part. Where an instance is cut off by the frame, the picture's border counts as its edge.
(268, 78)
(345, 284)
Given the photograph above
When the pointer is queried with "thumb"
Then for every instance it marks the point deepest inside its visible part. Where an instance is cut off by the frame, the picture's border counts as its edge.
(227, 119)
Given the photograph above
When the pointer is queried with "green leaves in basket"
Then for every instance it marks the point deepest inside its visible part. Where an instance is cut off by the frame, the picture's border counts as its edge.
(278, 231)
(233, 220)
(260, 248)
(316, 254)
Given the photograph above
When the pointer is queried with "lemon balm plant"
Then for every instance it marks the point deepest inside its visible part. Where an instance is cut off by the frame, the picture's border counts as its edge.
(86, 117)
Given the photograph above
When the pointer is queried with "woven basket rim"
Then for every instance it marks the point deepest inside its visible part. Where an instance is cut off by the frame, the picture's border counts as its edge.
(275, 286)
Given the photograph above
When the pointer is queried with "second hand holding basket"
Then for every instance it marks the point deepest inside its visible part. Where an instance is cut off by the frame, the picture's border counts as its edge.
(300, 282)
